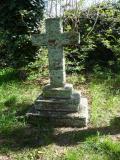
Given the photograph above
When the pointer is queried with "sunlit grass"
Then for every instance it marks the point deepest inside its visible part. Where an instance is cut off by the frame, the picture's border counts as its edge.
(14, 95)
(103, 92)
(105, 95)
(95, 148)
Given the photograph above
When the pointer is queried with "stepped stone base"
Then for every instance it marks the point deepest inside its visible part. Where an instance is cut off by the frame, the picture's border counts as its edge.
(61, 118)
(59, 92)
(69, 105)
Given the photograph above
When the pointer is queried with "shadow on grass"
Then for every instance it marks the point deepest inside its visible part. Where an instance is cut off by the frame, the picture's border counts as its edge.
(8, 76)
(75, 137)
(12, 75)
(44, 134)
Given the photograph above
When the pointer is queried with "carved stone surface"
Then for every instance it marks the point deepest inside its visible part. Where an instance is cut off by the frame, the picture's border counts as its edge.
(71, 104)
(59, 92)
(61, 119)
(59, 102)
(55, 40)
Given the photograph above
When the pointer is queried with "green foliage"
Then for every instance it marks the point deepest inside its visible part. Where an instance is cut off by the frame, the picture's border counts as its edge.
(39, 68)
(105, 93)
(99, 33)
(20, 16)
(95, 148)
(18, 20)
(14, 97)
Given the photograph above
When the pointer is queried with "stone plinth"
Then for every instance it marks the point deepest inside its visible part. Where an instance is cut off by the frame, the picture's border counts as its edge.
(69, 105)
(62, 107)
(61, 118)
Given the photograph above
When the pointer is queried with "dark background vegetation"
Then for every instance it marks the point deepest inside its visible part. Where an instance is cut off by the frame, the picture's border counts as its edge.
(18, 20)
(99, 27)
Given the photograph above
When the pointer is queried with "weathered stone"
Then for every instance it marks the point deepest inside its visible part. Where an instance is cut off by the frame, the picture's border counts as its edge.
(71, 104)
(58, 103)
(57, 78)
(55, 40)
(61, 119)
(60, 92)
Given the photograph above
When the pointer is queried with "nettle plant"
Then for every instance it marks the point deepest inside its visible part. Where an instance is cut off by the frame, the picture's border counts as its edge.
(18, 20)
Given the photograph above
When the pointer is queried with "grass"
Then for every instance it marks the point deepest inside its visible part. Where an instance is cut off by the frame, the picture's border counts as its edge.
(95, 148)
(99, 141)
(103, 92)
(14, 96)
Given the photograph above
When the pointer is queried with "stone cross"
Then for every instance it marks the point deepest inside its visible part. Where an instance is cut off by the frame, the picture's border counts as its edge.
(55, 40)
(58, 103)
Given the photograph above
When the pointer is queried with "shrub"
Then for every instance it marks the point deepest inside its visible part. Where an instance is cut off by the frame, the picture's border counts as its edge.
(100, 43)
(18, 20)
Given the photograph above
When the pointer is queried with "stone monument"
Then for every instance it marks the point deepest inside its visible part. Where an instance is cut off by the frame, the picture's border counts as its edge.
(59, 103)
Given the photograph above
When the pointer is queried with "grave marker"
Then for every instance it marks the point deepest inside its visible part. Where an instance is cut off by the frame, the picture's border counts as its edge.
(59, 102)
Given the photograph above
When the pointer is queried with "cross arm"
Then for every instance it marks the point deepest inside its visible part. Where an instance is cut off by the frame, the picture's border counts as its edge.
(70, 38)
(39, 39)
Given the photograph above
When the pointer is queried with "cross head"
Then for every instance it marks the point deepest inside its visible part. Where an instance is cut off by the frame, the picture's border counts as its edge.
(55, 40)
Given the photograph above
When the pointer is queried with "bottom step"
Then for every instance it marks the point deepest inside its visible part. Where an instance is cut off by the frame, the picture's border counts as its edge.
(61, 119)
